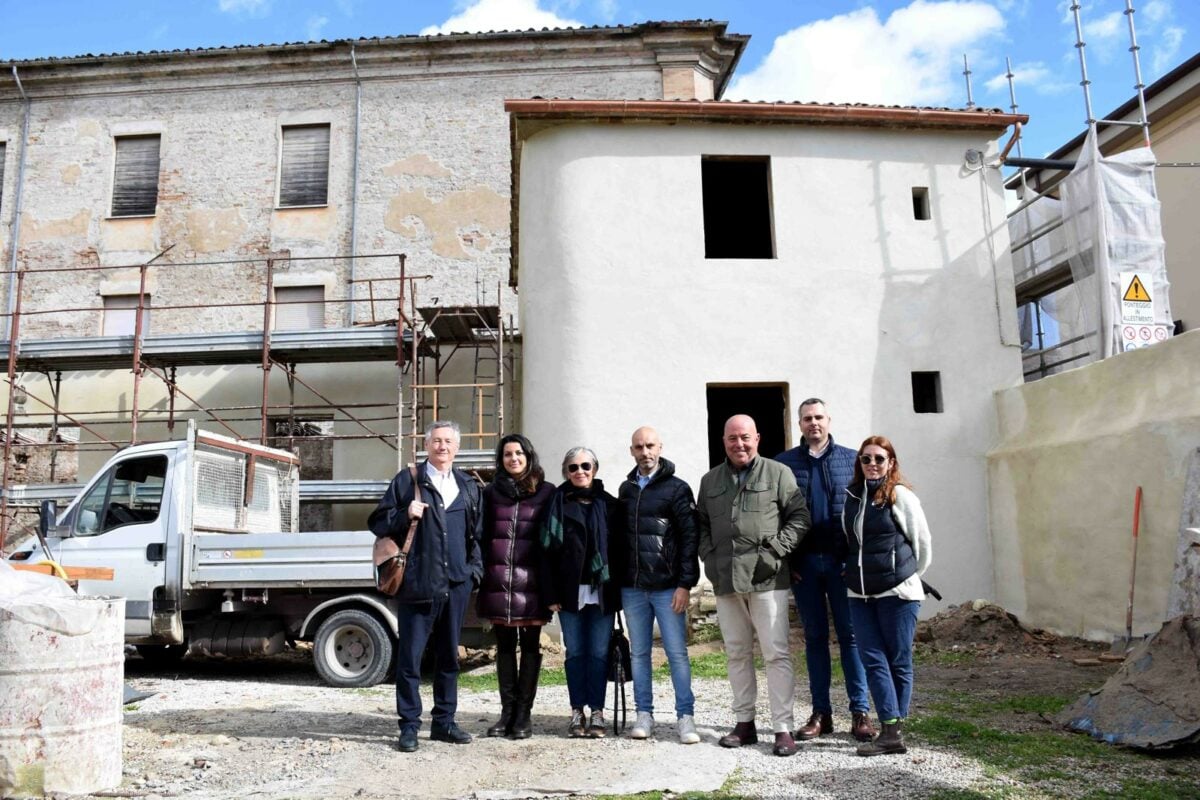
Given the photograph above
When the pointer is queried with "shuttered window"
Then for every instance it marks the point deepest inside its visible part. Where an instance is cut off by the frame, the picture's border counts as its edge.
(304, 166)
(120, 315)
(135, 176)
(299, 308)
(3, 151)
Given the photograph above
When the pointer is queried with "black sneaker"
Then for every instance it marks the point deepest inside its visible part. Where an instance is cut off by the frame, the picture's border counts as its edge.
(408, 742)
(451, 733)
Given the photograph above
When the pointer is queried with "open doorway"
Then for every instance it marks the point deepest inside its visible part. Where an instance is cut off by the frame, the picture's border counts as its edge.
(767, 403)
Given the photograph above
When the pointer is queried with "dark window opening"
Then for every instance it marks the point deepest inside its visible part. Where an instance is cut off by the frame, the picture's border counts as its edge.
(309, 437)
(135, 176)
(3, 150)
(927, 392)
(737, 207)
(767, 404)
(304, 166)
(920, 202)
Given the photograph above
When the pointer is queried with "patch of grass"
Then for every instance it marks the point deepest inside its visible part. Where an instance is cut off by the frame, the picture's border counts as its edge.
(720, 794)
(929, 657)
(371, 691)
(1141, 789)
(706, 632)
(487, 681)
(963, 704)
(132, 707)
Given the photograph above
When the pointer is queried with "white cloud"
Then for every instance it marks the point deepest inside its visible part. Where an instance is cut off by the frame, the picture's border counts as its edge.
(249, 8)
(1164, 55)
(501, 15)
(1034, 75)
(1156, 11)
(915, 57)
(314, 26)
(1107, 27)
(607, 9)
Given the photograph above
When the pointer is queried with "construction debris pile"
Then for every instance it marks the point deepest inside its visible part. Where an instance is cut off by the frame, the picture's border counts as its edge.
(983, 628)
(1153, 700)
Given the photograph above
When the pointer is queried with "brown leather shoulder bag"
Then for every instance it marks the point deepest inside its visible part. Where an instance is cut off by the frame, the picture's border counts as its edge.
(390, 558)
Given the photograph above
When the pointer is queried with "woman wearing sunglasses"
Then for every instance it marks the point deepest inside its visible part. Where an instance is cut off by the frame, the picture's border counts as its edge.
(579, 586)
(888, 550)
(511, 594)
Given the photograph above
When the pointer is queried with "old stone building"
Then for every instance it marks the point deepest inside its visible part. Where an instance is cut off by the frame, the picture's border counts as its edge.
(317, 157)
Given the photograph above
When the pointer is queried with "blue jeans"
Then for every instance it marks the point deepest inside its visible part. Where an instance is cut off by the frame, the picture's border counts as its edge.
(642, 607)
(585, 635)
(821, 578)
(885, 628)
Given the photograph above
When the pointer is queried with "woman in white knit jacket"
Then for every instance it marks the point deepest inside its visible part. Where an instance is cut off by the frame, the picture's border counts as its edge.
(888, 549)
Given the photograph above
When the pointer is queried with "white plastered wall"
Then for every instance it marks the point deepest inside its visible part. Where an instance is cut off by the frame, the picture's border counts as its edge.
(626, 322)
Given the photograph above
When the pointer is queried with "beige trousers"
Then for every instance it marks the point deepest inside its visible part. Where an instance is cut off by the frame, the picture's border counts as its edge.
(765, 615)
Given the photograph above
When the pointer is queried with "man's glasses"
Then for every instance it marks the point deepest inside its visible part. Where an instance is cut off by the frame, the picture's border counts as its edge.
(866, 459)
(586, 466)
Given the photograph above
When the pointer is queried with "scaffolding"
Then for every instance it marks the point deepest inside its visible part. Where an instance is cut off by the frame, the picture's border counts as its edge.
(389, 324)
(1066, 259)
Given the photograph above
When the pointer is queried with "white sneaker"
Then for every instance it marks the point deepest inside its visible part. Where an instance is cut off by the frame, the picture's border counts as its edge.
(643, 727)
(687, 730)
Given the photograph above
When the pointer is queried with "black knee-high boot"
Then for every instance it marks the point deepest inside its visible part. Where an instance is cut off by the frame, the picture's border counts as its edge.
(527, 682)
(506, 675)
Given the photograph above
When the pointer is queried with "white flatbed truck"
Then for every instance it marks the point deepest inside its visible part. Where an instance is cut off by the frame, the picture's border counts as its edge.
(202, 538)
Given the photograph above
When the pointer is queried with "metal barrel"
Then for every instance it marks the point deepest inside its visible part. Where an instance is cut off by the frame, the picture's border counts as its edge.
(61, 690)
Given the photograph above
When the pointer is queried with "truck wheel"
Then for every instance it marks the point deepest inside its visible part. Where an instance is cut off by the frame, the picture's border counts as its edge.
(352, 648)
(162, 655)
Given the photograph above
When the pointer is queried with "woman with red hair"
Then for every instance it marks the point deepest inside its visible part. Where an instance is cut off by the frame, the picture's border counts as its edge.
(888, 549)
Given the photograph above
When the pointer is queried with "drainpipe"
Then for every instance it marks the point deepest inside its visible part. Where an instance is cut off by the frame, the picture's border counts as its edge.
(16, 226)
(354, 183)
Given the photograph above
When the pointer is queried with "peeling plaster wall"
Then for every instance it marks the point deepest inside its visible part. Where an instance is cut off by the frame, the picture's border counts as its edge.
(626, 321)
(434, 183)
(1073, 449)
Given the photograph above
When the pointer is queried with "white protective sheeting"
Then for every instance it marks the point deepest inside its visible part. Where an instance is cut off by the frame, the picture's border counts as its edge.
(1113, 224)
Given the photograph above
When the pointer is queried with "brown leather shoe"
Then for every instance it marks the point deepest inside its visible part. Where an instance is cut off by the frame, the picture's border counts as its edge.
(861, 728)
(818, 724)
(743, 733)
(785, 745)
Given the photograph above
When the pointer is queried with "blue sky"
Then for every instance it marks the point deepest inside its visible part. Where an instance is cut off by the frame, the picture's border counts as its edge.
(880, 51)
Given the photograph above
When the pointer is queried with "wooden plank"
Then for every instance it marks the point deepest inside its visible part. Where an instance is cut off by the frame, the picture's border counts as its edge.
(73, 573)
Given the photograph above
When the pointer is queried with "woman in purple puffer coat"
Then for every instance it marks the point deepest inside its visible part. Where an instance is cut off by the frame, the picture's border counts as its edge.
(513, 563)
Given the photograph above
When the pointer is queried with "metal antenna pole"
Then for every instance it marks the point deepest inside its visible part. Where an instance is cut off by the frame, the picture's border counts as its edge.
(1084, 82)
(967, 74)
(1137, 71)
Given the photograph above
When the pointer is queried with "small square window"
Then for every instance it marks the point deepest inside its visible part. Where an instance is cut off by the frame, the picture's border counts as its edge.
(135, 176)
(737, 207)
(927, 392)
(304, 166)
(299, 308)
(120, 315)
(920, 202)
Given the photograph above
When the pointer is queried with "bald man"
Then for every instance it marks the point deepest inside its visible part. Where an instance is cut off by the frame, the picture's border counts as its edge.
(657, 568)
(751, 516)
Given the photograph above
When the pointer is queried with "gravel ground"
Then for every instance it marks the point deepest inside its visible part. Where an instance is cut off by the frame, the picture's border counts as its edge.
(266, 730)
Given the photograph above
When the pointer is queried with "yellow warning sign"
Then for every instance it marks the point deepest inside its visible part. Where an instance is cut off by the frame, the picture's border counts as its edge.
(1136, 293)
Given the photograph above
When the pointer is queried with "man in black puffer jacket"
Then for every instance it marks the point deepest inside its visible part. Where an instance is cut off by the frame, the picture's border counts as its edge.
(657, 567)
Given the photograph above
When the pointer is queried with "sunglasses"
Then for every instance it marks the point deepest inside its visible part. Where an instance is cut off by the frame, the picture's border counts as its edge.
(586, 466)
(866, 459)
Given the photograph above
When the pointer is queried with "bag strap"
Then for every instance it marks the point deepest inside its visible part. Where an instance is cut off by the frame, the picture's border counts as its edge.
(412, 523)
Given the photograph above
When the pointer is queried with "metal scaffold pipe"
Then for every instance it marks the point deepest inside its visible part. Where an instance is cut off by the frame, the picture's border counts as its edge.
(1084, 82)
(1140, 86)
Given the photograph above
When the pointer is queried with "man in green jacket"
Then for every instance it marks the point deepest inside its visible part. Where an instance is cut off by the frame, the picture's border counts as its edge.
(751, 515)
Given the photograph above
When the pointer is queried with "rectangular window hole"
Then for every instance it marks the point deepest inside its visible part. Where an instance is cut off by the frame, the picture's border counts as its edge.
(927, 392)
(737, 207)
(920, 202)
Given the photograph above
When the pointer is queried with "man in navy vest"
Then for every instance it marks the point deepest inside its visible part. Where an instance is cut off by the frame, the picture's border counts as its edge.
(444, 565)
(823, 470)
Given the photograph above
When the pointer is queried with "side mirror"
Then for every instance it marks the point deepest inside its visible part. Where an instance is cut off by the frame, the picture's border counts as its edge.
(47, 517)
